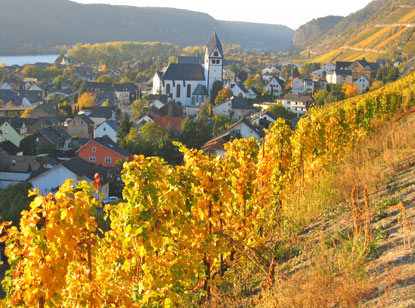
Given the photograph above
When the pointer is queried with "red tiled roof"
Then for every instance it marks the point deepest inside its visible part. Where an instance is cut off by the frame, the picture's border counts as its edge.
(173, 122)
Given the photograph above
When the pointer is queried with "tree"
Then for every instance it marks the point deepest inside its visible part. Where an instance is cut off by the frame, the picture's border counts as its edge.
(138, 107)
(195, 132)
(216, 87)
(223, 95)
(107, 103)
(256, 82)
(335, 93)
(123, 129)
(279, 111)
(13, 200)
(350, 89)
(104, 78)
(25, 114)
(86, 100)
(220, 123)
(320, 97)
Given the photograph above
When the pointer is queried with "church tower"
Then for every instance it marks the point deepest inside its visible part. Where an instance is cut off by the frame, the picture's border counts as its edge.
(213, 61)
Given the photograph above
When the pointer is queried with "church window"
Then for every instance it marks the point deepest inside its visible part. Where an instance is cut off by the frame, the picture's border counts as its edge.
(188, 90)
(178, 91)
(168, 89)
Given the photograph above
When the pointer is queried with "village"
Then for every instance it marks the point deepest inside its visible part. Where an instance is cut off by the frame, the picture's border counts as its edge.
(79, 123)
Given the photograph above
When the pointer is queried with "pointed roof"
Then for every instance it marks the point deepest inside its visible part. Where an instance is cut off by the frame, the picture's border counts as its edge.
(213, 43)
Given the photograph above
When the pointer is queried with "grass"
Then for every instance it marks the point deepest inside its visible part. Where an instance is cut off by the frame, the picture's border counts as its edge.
(328, 233)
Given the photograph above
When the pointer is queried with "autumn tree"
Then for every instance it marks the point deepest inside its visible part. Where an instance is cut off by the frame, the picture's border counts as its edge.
(223, 95)
(216, 87)
(256, 82)
(86, 100)
(138, 107)
(25, 114)
(350, 89)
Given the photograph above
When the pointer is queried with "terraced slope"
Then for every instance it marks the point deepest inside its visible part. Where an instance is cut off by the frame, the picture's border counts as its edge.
(383, 29)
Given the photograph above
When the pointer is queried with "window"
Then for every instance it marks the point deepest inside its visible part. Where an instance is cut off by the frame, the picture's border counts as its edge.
(189, 89)
(213, 61)
(178, 91)
(82, 123)
(216, 54)
(92, 159)
(168, 89)
(94, 149)
(108, 160)
(104, 129)
(217, 61)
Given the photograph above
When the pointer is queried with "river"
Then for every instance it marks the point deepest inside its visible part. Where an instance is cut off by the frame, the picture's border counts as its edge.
(21, 60)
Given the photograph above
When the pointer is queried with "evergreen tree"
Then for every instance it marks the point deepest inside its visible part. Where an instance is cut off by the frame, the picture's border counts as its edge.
(123, 129)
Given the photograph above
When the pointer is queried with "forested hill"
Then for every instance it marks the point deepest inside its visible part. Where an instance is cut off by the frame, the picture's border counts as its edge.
(43, 24)
(312, 31)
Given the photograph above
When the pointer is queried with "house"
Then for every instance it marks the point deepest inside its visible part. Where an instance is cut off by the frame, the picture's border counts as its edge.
(101, 114)
(216, 146)
(263, 119)
(170, 109)
(81, 126)
(362, 67)
(297, 86)
(297, 103)
(103, 151)
(126, 92)
(53, 137)
(84, 72)
(274, 86)
(48, 180)
(349, 71)
(244, 129)
(144, 118)
(108, 128)
(239, 90)
(173, 123)
(329, 67)
(14, 129)
(241, 129)
(340, 76)
(235, 107)
(186, 81)
(362, 83)
(14, 98)
(44, 110)
(157, 101)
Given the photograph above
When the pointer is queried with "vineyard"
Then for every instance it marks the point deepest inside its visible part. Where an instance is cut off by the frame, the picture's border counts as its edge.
(180, 229)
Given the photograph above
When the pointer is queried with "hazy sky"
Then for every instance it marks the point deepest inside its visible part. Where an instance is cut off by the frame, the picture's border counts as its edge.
(292, 13)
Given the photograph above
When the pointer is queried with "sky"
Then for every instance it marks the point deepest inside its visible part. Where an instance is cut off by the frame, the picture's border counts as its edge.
(291, 13)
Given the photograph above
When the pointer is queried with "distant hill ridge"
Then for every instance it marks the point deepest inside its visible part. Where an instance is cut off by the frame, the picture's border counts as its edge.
(43, 24)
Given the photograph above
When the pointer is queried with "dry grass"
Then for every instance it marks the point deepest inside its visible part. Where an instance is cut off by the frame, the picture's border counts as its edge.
(324, 265)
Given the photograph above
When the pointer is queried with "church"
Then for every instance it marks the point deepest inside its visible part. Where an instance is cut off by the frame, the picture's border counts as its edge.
(188, 81)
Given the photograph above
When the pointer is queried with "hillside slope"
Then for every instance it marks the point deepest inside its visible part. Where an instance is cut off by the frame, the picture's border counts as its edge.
(309, 33)
(47, 23)
(383, 29)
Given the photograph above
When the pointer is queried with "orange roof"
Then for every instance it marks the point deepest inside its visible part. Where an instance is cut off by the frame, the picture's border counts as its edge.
(165, 122)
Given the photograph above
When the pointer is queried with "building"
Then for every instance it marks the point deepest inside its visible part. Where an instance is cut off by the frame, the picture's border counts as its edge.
(48, 180)
(297, 103)
(107, 128)
(103, 151)
(190, 82)
(235, 107)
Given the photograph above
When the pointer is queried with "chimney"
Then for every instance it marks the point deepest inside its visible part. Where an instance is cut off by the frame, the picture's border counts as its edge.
(169, 109)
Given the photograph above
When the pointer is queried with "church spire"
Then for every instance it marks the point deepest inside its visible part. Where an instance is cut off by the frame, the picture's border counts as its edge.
(213, 43)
